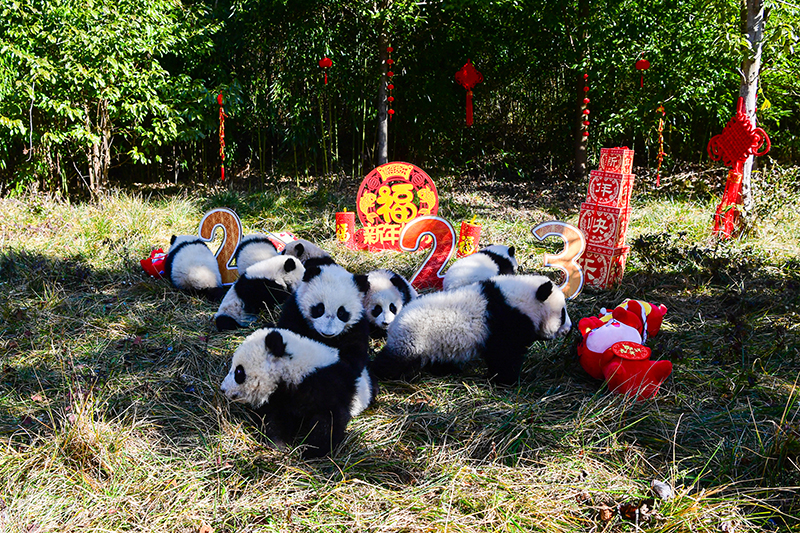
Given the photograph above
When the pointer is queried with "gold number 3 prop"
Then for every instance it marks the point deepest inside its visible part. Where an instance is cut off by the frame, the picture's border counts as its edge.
(567, 260)
(226, 219)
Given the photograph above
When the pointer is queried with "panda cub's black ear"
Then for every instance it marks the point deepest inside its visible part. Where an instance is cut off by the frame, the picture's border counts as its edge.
(362, 282)
(172, 240)
(401, 286)
(544, 291)
(511, 251)
(274, 343)
(289, 265)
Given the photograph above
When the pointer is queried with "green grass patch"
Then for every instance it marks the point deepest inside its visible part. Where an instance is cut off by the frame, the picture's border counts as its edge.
(111, 419)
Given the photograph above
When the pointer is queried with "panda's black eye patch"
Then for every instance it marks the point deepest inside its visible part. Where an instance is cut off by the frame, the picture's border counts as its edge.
(342, 314)
(393, 308)
(376, 311)
(318, 310)
(239, 375)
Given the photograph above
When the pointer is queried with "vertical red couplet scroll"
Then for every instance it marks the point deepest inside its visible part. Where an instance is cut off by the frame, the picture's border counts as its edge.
(429, 275)
(567, 259)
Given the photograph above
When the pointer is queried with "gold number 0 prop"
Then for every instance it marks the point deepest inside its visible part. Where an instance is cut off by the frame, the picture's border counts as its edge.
(231, 235)
(567, 260)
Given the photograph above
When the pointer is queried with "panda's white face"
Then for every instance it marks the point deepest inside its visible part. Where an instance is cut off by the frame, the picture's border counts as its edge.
(540, 299)
(268, 357)
(331, 302)
(384, 299)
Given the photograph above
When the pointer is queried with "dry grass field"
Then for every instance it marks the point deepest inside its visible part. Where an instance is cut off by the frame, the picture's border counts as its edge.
(111, 417)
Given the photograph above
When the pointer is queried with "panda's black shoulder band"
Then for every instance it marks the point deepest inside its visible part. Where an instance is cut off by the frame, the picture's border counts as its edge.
(504, 265)
(314, 267)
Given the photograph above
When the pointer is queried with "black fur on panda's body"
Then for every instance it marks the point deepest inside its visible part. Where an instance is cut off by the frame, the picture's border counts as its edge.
(496, 320)
(299, 391)
(328, 283)
(191, 267)
(264, 285)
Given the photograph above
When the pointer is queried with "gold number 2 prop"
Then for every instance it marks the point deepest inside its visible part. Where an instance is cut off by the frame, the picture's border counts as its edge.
(231, 226)
(567, 260)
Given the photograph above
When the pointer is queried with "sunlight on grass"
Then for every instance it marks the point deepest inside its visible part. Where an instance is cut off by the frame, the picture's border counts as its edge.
(111, 418)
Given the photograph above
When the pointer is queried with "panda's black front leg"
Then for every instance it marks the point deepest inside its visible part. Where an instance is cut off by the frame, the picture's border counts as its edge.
(323, 432)
(504, 355)
(387, 365)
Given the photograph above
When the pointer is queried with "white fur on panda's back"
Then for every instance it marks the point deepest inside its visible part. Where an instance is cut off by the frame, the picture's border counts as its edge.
(475, 267)
(309, 250)
(274, 268)
(448, 326)
(520, 293)
(265, 372)
(195, 266)
(250, 253)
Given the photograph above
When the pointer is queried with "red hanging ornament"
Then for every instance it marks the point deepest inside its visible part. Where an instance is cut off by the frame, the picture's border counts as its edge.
(660, 144)
(390, 85)
(469, 77)
(325, 63)
(642, 65)
(585, 103)
(739, 140)
(222, 116)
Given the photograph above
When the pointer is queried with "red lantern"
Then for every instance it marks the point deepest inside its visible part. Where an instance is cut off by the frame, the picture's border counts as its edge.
(642, 65)
(390, 85)
(469, 77)
(325, 63)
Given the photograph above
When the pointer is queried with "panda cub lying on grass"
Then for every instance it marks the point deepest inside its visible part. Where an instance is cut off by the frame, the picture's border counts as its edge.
(191, 267)
(496, 320)
(299, 389)
(490, 261)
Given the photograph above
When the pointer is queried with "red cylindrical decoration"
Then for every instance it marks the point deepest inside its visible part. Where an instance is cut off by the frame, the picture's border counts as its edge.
(468, 238)
(469, 77)
(346, 228)
(585, 111)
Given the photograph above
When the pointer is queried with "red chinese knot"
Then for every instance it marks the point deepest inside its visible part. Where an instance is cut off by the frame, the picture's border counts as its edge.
(325, 63)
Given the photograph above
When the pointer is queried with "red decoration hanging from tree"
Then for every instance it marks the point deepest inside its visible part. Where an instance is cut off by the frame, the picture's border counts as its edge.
(661, 152)
(585, 102)
(390, 85)
(469, 77)
(325, 63)
(642, 65)
(222, 116)
(739, 140)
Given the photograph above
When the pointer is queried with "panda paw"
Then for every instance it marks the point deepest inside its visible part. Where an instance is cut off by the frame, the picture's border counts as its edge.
(226, 323)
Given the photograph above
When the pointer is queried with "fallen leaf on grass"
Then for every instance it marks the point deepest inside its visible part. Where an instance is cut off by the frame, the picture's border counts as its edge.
(606, 513)
(205, 528)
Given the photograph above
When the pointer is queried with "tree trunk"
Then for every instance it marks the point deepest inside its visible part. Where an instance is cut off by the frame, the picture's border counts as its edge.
(753, 30)
(383, 116)
(581, 140)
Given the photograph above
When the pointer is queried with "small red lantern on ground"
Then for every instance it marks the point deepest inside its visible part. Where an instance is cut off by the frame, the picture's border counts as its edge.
(325, 63)
(469, 77)
(641, 66)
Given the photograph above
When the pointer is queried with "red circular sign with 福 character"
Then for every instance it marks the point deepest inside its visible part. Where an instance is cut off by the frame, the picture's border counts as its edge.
(391, 196)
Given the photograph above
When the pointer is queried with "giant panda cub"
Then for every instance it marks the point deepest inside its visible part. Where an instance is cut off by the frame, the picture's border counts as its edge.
(328, 307)
(252, 249)
(304, 250)
(191, 266)
(490, 261)
(299, 389)
(262, 286)
(496, 319)
(388, 293)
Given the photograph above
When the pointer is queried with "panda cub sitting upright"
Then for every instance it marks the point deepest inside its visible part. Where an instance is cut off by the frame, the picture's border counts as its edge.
(328, 307)
(388, 293)
(191, 266)
(299, 389)
(496, 320)
(252, 249)
(491, 261)
(262, 286)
